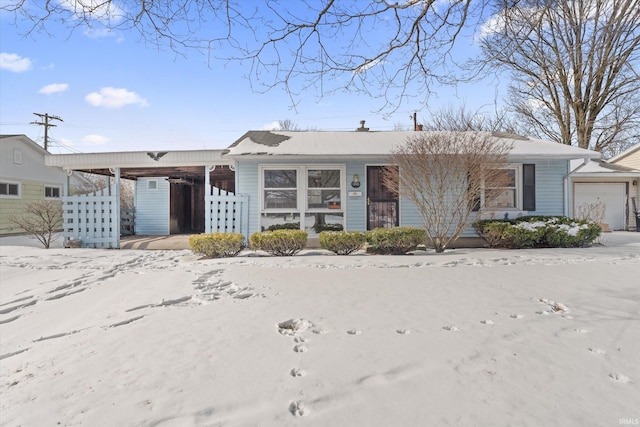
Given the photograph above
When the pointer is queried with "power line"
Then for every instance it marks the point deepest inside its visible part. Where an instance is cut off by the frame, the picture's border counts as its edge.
(46, 125)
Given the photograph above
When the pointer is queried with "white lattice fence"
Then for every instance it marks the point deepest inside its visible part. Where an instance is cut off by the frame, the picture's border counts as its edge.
(227, 214)
(93, 219)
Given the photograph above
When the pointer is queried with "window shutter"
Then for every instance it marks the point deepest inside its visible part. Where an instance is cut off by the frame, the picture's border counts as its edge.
(529, 187)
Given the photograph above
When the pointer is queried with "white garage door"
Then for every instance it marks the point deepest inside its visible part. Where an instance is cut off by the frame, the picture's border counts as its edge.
(612, 195)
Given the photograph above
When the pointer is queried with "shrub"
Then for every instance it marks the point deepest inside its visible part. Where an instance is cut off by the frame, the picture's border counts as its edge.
(279, 242)
(342, 242)
(538, 232)
(217, 245)
(396, 240)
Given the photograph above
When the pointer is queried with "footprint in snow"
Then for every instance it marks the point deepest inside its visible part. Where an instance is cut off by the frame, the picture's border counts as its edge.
(517, 316)
(451, 328)
(354, 332)
(319, 331)
(298, 409)
(580, 331)
(403, 331)
(487, 322)
(620, 378)
(297, 372)
(300, 348)
(595, 350)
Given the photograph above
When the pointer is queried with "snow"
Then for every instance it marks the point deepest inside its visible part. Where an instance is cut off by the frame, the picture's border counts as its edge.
(470, 337)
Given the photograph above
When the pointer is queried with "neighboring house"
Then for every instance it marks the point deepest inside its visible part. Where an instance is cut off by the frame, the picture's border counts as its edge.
(312, 180)
(613, 184)
(25, 178)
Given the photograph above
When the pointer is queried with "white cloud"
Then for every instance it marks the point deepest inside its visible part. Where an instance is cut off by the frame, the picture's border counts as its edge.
(54, 88)
(271, 126)
(112, 97)
(14, 62)
(95, 140)
(96, 10)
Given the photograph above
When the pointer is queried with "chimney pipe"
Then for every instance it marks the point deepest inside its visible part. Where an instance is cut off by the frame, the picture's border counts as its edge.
(362, 128)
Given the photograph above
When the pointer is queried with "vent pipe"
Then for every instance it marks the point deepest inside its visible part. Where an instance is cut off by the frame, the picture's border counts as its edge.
(362, 128)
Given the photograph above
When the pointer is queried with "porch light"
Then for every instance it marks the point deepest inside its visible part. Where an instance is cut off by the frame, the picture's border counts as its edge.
(356, 181)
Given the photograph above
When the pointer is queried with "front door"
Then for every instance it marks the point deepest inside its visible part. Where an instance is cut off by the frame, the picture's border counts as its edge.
(382, 202)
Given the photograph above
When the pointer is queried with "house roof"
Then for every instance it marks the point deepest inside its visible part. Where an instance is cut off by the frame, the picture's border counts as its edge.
(378, 144)
(628, 152)
(602, 169)
(28, 142)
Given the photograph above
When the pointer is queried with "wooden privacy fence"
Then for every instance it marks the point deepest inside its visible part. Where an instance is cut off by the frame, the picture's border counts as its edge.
(226, 213)
(92, 220)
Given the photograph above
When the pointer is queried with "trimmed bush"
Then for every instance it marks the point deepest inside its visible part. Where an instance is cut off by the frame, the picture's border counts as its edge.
(396, 240)
(279, 242)
(342, 242)
(217, 245)
(538, 232)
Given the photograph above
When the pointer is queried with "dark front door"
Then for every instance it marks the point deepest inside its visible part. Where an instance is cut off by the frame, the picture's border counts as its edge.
(382, 202)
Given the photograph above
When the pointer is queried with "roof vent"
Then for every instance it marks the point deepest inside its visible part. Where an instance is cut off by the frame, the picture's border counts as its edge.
(362, 128)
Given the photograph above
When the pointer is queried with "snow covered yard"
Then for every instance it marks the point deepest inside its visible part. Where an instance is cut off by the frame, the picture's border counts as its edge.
(470, 337)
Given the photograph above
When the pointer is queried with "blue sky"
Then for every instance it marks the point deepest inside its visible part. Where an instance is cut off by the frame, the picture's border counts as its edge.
(115, 93)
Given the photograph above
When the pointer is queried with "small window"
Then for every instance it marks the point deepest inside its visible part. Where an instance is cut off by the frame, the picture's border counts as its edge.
(9, 189)
(152, 184)
(52, 192)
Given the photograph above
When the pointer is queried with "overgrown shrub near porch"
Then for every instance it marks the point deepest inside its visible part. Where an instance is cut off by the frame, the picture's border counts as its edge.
(279, 242)
(342, 242)
(538, 232)
(217, 245)
(284, 226)
(396, 240)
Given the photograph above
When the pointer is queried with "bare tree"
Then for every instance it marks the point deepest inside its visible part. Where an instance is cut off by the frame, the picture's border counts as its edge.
(574, 67)
(448, 176)
(287, 124)
(98, 182)
(460, 119)
(41, 220)
(389, 50)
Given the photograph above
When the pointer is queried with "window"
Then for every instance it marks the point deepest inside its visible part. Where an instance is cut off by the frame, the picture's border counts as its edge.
(323, 189)
(9, 189)
(51, 192)
(304, 197)
(502, 189)
(152, 184)
(281, 189)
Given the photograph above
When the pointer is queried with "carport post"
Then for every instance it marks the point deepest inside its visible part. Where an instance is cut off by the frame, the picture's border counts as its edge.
(207, 193)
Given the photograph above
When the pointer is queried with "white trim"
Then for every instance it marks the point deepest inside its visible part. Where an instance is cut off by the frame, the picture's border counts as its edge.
(17, 156)
(518, 188)
(11, 196)
(301, 209)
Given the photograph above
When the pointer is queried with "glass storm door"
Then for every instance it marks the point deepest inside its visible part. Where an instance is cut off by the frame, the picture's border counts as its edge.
(382, 202)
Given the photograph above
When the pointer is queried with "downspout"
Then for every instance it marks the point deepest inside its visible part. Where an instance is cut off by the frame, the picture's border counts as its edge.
(566, 185)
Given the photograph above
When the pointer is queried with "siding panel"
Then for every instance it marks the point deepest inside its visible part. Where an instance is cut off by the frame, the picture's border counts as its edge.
(152, 207)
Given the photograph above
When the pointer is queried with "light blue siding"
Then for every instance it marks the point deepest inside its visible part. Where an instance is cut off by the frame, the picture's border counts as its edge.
(247, 184)
(152, 207)
(549, 191)
(550, 187)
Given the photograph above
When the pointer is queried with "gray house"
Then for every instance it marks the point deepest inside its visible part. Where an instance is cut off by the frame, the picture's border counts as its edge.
(312, 180)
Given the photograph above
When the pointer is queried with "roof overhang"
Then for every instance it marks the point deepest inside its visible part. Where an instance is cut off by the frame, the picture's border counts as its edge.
(138, 159)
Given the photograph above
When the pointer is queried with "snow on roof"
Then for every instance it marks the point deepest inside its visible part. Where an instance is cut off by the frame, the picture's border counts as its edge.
(378, 144)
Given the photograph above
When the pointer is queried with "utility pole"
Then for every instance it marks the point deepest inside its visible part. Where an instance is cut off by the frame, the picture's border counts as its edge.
(46, 125)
